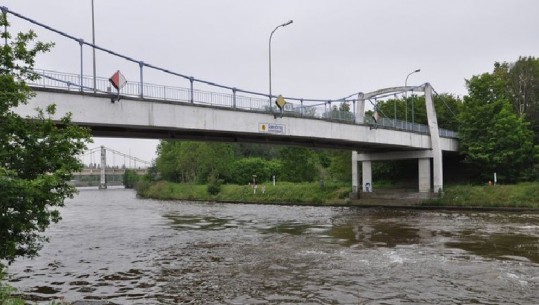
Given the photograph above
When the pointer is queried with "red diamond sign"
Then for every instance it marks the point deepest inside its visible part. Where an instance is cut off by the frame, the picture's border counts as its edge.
(118, 80)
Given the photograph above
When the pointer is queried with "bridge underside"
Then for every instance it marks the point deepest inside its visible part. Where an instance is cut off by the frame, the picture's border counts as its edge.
(229, 137)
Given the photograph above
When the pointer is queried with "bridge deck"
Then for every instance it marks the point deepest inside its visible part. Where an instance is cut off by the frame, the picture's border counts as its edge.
(141, 118)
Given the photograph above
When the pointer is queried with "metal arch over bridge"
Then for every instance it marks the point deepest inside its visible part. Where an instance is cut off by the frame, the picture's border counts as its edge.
(147, 111)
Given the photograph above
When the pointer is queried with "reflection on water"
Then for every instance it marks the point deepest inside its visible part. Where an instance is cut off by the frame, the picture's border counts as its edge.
(114, 248)
(501, 246)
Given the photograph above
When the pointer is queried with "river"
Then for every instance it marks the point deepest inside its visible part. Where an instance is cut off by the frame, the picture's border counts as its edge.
(113, 248)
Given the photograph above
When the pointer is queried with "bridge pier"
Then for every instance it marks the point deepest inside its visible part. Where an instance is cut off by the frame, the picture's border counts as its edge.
(103, 176)
(430, 179)
(366, 176)
(423, 166)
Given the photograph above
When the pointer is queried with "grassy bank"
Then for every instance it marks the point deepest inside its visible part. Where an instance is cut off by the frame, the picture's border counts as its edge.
(6, 293)
(522, 195)
(283, 192)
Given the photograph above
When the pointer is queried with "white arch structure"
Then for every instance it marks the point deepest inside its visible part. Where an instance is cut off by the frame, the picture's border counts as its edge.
(427, 183)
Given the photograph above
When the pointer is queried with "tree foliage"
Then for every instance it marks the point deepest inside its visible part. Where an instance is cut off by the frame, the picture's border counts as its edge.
(493, 137)
(412, 108)
(130, 178)
(37, 155)
(298, 164)
(197, 162)
(242, 170)
(193, 162)
(522, 82)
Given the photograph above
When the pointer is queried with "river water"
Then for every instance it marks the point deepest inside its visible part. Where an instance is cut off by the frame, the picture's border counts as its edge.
(112, 248)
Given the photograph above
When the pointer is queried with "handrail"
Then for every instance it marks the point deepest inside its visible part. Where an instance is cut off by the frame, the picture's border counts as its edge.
(71, 82)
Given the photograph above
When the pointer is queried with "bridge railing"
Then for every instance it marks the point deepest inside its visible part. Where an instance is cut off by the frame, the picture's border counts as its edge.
(72, 82)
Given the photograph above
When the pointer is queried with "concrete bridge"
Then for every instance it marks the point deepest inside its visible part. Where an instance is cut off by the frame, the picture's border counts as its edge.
(136, 117)
(145, 110)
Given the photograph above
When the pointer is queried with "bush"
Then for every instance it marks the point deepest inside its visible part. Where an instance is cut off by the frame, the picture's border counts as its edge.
(214, 185)
(130, 178)
(242, 171)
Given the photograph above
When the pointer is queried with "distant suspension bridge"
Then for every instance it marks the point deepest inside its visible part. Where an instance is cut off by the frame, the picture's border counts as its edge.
(105, 166)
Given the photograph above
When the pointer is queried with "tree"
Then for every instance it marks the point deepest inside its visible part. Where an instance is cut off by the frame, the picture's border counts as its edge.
(298, 164)
(242, 170)
(342, 112)
(130, 178)
(523, 89)
(37, 155)
(340, 167)
(447, 107)
(188, 161)
(493, 137)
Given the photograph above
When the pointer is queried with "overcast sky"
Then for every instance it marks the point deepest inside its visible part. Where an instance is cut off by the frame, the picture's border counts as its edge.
(332, 49)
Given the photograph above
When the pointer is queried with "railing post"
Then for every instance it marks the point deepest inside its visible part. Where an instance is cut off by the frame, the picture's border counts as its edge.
(234, 98)
(81, 43)
(413, 119)
(141, 65)
(354, 109)
(191, 92)
(301, 107)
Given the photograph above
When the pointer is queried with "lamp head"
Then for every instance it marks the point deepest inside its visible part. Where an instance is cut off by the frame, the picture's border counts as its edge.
(287, 23)
(418, 70)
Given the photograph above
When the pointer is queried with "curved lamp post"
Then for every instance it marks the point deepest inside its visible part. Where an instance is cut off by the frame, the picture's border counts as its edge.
(406, 97)
(271, 35)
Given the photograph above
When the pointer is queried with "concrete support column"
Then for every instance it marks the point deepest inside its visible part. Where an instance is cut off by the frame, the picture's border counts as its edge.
(366, 172)
(437, 167)
(103, 182)
(355, 177)
(424, 175)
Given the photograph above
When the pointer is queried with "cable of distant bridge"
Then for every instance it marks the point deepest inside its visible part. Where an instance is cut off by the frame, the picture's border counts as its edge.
(94, 150)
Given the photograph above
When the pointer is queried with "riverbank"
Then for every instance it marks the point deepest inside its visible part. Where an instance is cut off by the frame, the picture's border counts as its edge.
(522, 195)
(283, 192)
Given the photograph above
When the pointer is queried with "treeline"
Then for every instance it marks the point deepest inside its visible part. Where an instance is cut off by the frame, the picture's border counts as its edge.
(499, 122)
(200, 162)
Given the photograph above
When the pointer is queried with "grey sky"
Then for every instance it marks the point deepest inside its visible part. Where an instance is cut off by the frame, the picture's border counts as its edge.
(333, 48)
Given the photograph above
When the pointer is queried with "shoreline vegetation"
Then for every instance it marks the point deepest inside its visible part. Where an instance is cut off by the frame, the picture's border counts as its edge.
(521, 195)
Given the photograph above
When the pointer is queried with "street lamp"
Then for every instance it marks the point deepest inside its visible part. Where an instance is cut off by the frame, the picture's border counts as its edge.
(406, 97)
(271, 35)
(93, 43)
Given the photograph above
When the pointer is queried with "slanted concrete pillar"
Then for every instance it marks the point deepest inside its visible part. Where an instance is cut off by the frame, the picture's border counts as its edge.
(360, 109)
(366, 171)
(437, 166)
(103, 182)
(355, 178)
(424, 175)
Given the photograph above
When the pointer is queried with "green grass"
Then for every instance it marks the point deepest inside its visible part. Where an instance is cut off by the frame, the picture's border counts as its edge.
(6, 291)
(284, 192)
(522, 195)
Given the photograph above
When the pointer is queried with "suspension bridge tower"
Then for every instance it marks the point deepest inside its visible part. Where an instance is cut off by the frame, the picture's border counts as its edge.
(103, 176)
